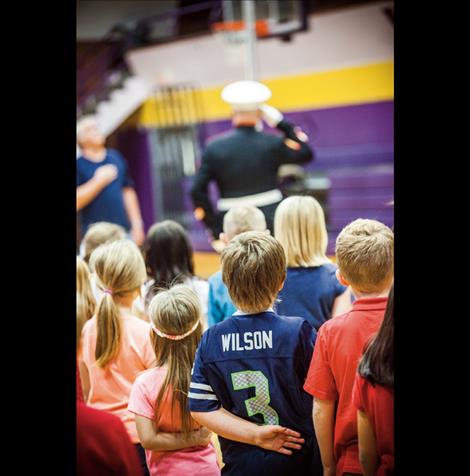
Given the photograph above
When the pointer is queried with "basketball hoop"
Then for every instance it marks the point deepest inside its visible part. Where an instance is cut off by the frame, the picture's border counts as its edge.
(236, 29)
(271, 18)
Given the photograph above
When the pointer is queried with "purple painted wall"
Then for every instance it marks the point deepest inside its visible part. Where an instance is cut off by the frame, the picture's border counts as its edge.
(353, 147)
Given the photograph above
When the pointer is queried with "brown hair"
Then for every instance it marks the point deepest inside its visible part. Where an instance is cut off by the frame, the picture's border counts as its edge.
(364, 253)
(84, 288)
(253, 269)
(120, 269)
(100, 233)
(168, 256)
(174, 312)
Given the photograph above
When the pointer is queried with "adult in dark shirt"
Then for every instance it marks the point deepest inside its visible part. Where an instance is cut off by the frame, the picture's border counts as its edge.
(105, 191)
(244, 161)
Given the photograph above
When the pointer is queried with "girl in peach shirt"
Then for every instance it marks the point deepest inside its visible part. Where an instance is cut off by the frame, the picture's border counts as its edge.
(116, 344)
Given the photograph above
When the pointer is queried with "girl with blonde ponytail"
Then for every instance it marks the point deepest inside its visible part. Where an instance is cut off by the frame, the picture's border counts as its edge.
(116, 343)
(175, 444)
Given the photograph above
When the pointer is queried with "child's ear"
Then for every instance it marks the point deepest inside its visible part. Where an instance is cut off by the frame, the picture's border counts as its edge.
(340, 278)
(283, 280)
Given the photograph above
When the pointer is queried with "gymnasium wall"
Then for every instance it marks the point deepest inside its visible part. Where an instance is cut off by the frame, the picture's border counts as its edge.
(335, 81)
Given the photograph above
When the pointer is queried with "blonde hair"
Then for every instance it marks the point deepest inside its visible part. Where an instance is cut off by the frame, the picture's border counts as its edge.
(364, 253)
(120, 269)
(81, 317)
(299, 225)
(253, 268)
(174, 312)
(243, 218)
(84, 288)
(99, 233)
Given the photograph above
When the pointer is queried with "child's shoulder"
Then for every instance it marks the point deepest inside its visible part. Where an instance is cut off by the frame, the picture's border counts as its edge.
(293, 325)
(274, 320)
(336, 324)
(136, 323)
(89, 326)
(215, 278)
(329, 267)
(151, 377)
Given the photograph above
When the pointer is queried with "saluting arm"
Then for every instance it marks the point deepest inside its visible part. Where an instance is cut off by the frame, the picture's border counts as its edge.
(296, 149)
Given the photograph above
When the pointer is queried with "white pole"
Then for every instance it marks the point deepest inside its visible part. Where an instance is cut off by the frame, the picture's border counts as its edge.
(249, 17)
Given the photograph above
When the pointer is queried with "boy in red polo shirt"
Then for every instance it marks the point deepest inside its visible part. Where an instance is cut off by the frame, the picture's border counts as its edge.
(364, 253)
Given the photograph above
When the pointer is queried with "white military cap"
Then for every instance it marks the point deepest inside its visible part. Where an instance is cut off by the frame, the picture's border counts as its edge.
(245, 95)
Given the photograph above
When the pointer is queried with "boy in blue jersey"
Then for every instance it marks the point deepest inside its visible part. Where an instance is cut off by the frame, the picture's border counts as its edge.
(249, 370)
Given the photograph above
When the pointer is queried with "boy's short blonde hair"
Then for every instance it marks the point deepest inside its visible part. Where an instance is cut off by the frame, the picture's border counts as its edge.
(98, 234)
(243, 218)
(364, 254)
(253, 269)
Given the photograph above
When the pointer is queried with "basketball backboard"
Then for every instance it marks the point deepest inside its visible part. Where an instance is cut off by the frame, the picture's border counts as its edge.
(273, 18)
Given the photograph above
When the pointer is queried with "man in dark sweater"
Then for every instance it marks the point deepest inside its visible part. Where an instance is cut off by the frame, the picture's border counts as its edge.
(244, 161)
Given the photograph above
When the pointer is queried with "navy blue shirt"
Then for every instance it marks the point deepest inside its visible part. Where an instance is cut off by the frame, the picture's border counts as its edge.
(108, 205)
(310, 292)
(255, 366)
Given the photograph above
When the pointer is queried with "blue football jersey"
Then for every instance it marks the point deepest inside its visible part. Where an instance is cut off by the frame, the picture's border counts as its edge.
(255, 367)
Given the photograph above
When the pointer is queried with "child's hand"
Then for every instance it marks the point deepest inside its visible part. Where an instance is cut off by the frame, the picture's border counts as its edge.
(201, 436)
(278, 438)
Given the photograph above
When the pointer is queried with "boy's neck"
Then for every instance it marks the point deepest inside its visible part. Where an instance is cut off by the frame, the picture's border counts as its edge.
(361, 295)
(269, 309)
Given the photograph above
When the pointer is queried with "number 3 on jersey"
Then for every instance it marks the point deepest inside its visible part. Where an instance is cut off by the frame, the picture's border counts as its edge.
(258, 403)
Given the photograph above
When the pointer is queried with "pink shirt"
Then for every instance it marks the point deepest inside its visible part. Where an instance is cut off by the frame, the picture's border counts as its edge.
(110, 387)
(194, 461)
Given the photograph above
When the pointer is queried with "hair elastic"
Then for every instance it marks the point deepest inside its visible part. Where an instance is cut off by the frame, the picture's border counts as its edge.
(167, 336)
(108, 291)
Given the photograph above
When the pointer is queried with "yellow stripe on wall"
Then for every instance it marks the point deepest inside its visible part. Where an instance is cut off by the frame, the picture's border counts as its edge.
(342, 87)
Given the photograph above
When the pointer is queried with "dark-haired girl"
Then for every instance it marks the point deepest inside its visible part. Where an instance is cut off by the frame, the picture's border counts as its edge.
(373, 397)
(169, 260)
